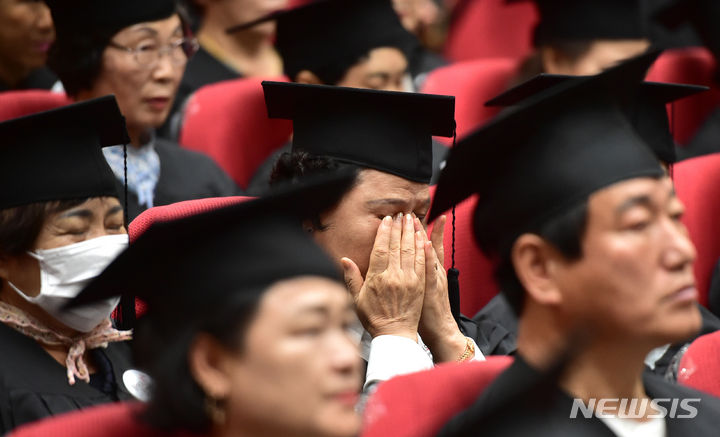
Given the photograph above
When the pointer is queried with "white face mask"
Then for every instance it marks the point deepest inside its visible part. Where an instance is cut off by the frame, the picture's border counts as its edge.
(66, 270)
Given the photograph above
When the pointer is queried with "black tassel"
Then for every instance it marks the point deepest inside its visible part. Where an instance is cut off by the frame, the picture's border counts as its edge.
(453, 274)
(126, 309)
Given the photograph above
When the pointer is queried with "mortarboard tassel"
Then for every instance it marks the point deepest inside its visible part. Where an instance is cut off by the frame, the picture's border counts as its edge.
(126, 308)
(453, 273)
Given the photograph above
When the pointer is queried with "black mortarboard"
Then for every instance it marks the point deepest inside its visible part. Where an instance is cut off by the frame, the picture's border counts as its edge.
(384, 130)
(202, 261)
(312, 36)
(562, 20)
(56, 154)
(547, 155)
(645, 109)
(82, 18)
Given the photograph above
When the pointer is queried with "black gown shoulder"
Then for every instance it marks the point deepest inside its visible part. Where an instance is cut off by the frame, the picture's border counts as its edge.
(184, 175)
(33, 385)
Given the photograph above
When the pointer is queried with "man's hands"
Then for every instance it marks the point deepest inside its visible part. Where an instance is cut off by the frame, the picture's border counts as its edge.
(390, 299)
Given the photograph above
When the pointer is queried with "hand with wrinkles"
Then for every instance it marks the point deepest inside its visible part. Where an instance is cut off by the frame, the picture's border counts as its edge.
(389, 300)
(437, 327)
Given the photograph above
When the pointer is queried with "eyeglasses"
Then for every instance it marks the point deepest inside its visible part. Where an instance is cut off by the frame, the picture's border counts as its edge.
(148, 54)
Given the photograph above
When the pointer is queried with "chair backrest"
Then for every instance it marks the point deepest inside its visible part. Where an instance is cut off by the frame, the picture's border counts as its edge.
(700, 366)
(15, 104)
(490, 28)
(472, 83)
(477, 283)
(419, 404)
(697, 182)
(109, 420)
(692, 66)
(228, 121)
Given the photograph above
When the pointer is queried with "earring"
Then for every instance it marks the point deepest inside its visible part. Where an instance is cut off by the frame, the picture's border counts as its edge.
(215, 410)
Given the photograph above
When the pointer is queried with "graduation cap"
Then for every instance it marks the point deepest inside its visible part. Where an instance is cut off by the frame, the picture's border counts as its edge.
(201, 262)
(562, 20)
(384, 130)
(56, 154)
(548, 154)
(645, 108)
(80, 18)
(315, 35)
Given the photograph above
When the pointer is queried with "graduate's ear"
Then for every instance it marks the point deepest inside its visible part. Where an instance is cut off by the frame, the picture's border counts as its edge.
(207, 358)
(554, 61)
(4, 266)
(535, 262)
(308, 77)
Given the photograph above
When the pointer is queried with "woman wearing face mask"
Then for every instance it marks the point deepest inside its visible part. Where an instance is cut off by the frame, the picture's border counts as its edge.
(137, 50)
(61, 224)
(265, 346)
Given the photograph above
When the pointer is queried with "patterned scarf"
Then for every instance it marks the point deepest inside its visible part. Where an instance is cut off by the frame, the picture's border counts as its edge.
(103, 334)
(143, 169)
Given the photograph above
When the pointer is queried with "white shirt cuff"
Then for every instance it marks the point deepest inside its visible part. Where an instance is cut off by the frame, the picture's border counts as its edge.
(392, 355)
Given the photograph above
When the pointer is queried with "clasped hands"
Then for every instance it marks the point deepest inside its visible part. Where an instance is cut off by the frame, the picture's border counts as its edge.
(405, 289)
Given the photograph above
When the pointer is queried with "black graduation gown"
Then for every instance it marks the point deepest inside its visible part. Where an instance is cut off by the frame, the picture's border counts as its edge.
(184, 175)
(202, 69)
(42, 78)
(33, 385)
(714, 292)
(259, 182)
(522, 401)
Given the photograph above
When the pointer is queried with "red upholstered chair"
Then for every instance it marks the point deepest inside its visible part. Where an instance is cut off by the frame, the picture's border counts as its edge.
(172, 212)
(697, 182)
(472, 83)
(228, 121)
(110, 420)
(15, 104)
(692, 66)
(490, 28)
(419, 404)
(477, 284)
(700, 366)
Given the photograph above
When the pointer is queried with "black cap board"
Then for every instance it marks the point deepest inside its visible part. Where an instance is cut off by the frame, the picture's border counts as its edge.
(548, 154)
(315, 35)
(645, 109)
(202, 261)
(385, 130)
(56, 154)
(562, 20)
(81, 18)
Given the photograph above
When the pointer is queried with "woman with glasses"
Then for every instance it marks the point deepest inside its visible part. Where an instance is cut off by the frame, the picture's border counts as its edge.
(137, 50)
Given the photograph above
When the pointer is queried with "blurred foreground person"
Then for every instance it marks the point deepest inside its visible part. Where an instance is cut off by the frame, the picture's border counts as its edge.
(136, 50)
(61, 224)
(248, 330)
(26, 34)
(591, 253)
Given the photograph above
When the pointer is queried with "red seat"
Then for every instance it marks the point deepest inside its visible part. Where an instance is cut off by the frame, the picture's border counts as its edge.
(228, 121)
(691, 66)
(477, 283)
(109, 420)
(15, 104)
(697, 182)
(472, 83)
(700, 366)
(490, 28)
(419, 404)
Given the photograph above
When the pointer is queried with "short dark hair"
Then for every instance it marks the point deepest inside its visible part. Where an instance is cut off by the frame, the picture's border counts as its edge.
(532, 65)
(565, 232)
(77, 61)
(20, 226)
(293, 166)
(161, 347)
